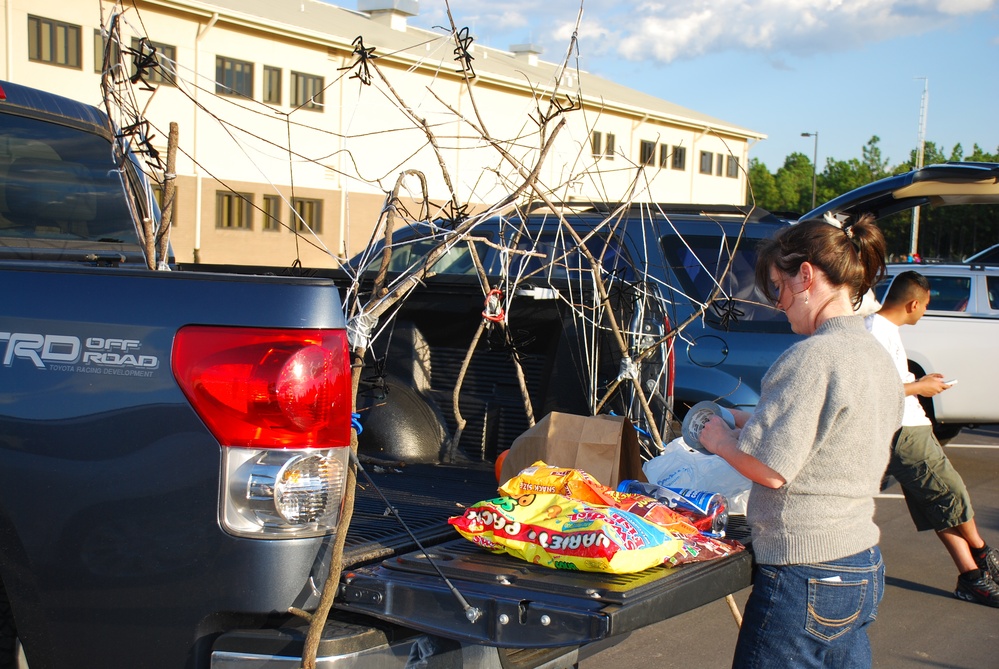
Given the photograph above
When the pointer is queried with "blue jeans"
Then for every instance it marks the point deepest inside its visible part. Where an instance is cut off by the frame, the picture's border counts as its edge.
(812, 615)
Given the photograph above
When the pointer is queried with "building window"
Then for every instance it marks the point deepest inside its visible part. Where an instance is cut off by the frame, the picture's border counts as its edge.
(53, 42)
(306, 91)
(646, 152)
(99, 44)
(233, 77)
(721, 165)
(707, 159)
(310, 213)
(664, 155)
(732, 167)
(596, 143)
(232, 210)
(272, 85)
(609, 146)
(272, 213)
(679, 157)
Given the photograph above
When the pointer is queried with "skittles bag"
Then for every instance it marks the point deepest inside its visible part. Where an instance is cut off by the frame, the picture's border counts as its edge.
(564, 533)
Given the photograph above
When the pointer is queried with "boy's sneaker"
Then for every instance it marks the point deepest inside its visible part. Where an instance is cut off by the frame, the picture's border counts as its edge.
(990, 563)
(983, 591)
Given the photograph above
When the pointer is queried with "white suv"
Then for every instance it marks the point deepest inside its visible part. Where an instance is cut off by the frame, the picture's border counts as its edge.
(958, 334)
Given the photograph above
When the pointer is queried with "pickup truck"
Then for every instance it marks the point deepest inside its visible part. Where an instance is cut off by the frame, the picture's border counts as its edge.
(175, 454)
(958, 331)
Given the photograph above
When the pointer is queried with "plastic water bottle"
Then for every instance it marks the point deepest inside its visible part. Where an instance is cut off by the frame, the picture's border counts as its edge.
(707, 511)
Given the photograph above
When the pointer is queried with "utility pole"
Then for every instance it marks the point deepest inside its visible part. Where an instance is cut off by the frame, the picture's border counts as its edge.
(815, 160)
(921, 145)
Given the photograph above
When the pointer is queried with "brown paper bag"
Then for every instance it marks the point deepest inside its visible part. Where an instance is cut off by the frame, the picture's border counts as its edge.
(606, 447)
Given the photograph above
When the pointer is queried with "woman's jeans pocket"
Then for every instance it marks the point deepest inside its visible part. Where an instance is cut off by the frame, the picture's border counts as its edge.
(834, 606)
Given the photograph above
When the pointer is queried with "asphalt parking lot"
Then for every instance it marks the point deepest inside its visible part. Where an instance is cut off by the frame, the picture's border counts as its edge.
(920, 624)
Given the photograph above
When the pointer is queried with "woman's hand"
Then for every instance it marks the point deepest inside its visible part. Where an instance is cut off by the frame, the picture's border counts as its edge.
(717, 436)
(721, 440)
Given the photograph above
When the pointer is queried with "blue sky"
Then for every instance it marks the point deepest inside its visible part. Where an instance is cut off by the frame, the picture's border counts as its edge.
(849, 69)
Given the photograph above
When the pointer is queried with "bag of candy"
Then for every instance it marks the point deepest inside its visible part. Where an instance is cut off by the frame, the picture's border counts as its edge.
(579, 485)
(556, 531)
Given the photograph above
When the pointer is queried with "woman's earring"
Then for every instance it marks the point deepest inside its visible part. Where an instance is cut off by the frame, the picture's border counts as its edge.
(806, 298)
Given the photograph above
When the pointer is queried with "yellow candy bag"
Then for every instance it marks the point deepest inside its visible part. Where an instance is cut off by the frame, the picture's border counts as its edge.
(563, 533)
(577, 484)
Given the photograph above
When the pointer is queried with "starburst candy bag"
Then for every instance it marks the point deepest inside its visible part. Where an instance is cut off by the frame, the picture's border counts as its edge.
(556, 531)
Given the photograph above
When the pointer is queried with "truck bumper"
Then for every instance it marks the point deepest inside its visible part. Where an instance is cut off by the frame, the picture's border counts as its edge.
(375, 646)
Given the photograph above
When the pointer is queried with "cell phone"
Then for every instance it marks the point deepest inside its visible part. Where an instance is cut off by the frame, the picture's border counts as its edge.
(950, 383)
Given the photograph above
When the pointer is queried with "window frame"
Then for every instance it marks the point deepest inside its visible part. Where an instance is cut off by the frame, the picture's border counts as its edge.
(679, 158)
(646, 152)
(720, 164)
(609, 145)
(60, 55)
(272, 90)
(707, 162)
(233, 211)
(596, 144)
(664, 156)
(957, 289)
(300, 205)
(272, 206)
(732, 166)
(313, 102)
(240, 72)
(99, 42)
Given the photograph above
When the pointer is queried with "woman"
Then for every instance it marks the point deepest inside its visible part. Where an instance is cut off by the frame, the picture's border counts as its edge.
(815, 448)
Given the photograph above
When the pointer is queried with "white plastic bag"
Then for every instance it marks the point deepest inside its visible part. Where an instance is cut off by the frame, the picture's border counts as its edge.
(681, 467)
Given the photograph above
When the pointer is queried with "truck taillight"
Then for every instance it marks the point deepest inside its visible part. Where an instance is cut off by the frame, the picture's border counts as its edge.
(279, 402)
(258, 388)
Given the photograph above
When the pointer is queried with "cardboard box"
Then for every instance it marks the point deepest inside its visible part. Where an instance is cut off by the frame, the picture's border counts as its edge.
(606, 447)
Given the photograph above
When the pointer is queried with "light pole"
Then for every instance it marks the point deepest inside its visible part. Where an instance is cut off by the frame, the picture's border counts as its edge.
(815, 160)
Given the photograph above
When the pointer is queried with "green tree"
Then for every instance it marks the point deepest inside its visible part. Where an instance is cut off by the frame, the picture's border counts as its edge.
(873, 165)
(840, 176)
(794, 184)
(763, 187)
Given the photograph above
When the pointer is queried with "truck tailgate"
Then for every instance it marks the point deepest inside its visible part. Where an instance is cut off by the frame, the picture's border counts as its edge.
(529, 606)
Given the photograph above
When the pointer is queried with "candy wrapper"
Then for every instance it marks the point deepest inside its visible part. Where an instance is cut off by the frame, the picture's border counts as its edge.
(563, 533)
(576, 484)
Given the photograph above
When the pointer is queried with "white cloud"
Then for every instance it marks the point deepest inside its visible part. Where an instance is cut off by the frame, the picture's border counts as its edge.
(667, 31)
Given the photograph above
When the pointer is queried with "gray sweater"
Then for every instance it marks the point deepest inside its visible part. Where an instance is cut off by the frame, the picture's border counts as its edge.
(827, 412)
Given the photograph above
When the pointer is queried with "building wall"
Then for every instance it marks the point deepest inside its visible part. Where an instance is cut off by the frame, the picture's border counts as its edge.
(351, 153)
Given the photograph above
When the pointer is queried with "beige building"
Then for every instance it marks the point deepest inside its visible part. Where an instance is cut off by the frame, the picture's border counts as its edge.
(287, 123)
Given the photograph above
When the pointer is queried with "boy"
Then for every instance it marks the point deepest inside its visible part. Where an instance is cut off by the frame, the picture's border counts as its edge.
(934, 492)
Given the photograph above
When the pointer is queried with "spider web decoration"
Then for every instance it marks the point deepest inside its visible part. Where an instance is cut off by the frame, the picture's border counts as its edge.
(518, 182)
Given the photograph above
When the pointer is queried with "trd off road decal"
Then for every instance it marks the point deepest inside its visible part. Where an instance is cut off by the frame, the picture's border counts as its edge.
(67, 353)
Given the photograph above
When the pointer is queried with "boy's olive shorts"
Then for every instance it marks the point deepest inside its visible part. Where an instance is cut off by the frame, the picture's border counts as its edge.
(934, 492)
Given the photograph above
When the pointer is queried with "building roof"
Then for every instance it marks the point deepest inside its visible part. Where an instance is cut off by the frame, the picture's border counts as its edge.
(334, 26)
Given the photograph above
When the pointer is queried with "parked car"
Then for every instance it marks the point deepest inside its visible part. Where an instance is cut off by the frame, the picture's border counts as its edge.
(957, 335)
